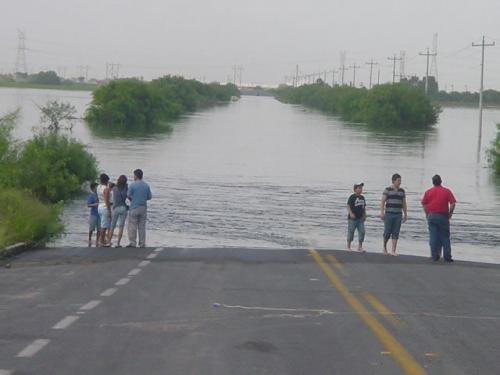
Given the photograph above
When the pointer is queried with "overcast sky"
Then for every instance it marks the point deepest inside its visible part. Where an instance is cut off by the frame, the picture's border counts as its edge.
(204, 39)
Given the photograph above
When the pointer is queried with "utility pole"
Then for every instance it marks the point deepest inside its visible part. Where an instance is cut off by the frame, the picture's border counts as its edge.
(240, 68)
(354, 67)
(378, 76)
(434, 66)
(482, 45)
(428, 54)
(394, 59)
(296, 76)
(371, 63)
(234, 74)
(333, 77)
(402, 74)
(343, 69)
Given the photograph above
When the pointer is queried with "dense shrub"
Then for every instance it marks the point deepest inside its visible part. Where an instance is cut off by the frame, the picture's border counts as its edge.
(53, 167)
(137, 105)
(494, 153)
(24, 218)
(398, 106)
(395, 106)
(49, 168)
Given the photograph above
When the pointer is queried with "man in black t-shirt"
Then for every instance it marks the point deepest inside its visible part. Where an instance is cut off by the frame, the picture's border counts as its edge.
(356, 209)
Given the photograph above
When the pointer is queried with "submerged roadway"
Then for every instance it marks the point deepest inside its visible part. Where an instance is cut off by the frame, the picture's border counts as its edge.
(246, 311)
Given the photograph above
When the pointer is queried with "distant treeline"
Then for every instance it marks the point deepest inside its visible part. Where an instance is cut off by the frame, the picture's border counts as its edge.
(490, 97)
(132, 104)
(384, 106)
(48, 79)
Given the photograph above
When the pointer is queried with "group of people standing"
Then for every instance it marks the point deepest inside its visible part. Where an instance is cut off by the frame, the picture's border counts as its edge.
(438, 203)
(111, 203)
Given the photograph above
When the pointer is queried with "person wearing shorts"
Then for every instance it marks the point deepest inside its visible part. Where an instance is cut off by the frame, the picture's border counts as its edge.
(120, 208)
(393, 211)
(356, 210)
(104, 209)
(94, 222)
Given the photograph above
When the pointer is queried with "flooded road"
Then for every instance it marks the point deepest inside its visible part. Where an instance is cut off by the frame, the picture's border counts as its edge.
(259, 173)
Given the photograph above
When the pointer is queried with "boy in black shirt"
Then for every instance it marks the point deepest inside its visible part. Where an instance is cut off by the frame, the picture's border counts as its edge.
(356, 208)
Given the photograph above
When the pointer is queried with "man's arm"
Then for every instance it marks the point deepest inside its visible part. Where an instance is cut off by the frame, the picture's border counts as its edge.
(149, 194)
(106, 199)
(405, 210)
(349, 211)
(382, 206)
(452, 208)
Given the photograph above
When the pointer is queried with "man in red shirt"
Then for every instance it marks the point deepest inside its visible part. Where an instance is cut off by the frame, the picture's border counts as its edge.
(439, 203)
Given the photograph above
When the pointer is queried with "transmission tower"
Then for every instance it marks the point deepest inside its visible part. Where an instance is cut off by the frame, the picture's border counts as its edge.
(21, 66)
(434, 64)
(112, 71)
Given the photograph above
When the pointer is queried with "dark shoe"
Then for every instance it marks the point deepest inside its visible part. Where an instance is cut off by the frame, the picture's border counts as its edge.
(435, 259)
(448, 260)
(130, 245)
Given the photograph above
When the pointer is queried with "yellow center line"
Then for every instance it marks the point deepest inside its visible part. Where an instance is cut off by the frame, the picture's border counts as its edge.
(404, 359)
(337, 265)
(382, 309)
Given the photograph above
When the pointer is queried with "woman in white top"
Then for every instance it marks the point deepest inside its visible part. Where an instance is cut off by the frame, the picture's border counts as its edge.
(104, 209)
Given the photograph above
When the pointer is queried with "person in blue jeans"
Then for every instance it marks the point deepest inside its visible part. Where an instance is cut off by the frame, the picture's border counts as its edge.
(94, 222)
(356, 210)
(438, 203)
(393, 211)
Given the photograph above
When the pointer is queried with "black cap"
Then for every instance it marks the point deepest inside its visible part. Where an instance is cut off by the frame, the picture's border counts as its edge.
(358, 185)
(436, 180)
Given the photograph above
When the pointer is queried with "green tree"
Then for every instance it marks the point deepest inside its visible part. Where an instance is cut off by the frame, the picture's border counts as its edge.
(45, 78)
(494, 153)
(54, 167)
(137, 105)
(57, 115)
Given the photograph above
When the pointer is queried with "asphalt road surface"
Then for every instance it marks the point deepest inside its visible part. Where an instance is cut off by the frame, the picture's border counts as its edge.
(246, 311)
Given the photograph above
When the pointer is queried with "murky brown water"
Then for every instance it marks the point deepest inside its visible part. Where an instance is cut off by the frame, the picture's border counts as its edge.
(259, 173)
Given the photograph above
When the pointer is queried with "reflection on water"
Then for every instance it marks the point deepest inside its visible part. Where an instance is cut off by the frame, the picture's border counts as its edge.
(260, 173)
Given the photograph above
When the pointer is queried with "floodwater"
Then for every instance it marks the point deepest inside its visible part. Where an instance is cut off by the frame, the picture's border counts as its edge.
(259, 173)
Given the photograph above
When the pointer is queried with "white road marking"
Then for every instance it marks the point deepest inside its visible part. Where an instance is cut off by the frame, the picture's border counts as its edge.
(6, 372)
(109, 292)
(80, 312)
(123, 281)
(66, 322)
(33, 348)
(261, 308)
(152, 256)
(134, 272)
(158, 249)
(144, 263)
(90, 305)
